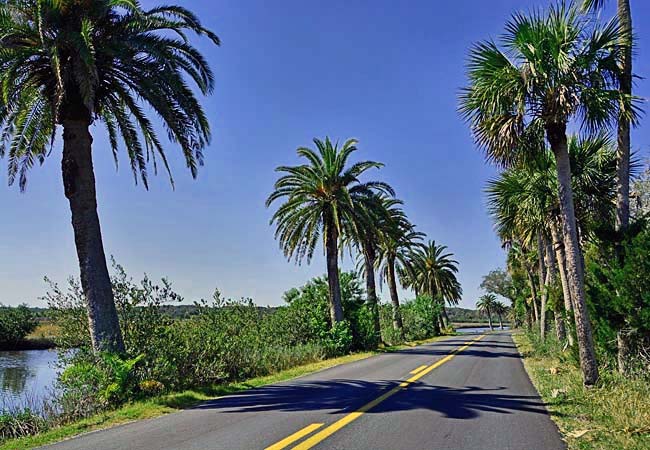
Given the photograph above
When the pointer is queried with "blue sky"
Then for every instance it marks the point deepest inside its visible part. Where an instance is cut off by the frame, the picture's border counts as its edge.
(384, 72)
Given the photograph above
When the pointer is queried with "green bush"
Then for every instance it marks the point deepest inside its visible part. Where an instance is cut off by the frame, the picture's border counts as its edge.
(418, 318)
(15, 324)
(618, 292)
(221, 340)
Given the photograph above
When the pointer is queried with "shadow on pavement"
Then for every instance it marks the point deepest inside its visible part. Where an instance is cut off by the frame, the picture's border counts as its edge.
(329, 396)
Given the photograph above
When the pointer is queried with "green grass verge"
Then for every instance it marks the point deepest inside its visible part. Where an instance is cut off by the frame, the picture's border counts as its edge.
(154, 407)
(614, 415)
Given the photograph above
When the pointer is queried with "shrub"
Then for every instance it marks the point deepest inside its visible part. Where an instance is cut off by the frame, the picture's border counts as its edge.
(20, 423)
(618, 288)
(93, 383)
(222, 340)
(15, 324)
(418, 318)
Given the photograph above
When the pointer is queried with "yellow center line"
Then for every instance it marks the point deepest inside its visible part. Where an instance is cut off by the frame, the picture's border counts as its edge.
(416, 370)
(351, 417)
(294, 437)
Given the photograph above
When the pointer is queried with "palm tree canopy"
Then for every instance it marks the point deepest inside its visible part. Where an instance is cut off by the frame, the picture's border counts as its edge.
(100, 60)
(592, 5)
(486, 303)
(499, 308)
(397, 238)
(318, 193)
(548, 68)
(434, 272)
(523, 200)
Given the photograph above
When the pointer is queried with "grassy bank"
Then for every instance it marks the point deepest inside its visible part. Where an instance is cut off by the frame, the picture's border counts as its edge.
(41, 338)
(165, 404)
(614, 415)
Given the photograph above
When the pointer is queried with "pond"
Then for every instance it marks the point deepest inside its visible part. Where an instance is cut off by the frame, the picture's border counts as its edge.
(26, 377)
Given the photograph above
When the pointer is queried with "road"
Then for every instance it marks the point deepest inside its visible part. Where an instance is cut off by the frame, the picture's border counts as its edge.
(466, 392)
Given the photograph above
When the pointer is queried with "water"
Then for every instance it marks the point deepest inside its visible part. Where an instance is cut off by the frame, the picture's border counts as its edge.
(478, 330)
(26, 377)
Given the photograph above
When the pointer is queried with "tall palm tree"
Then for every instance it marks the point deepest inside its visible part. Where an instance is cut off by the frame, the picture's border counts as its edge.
(500, 310)
(371, 218)
(624, 14)
(397, 238)
(486, 304)
(319, 200)
(71, 63)
(551, 68)
(435, 275)
(523, 201)
(623, 163)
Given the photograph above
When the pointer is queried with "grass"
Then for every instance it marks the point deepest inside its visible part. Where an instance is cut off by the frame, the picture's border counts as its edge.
(45, 330)
(157, 406)
(613, 415)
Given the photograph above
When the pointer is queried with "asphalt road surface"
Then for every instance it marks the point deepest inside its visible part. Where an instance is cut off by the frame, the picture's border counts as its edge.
(466, 392)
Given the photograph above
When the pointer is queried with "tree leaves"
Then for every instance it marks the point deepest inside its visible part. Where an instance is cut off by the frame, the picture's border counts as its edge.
(112, 59)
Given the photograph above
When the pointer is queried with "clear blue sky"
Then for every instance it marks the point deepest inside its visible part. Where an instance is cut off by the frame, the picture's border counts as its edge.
(385, 72)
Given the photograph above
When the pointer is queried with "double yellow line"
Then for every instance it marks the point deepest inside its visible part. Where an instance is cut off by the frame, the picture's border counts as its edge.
(351, 417)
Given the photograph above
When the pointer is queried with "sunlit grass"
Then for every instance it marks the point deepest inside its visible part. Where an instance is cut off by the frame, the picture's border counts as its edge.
(45, 330)
(613, 415)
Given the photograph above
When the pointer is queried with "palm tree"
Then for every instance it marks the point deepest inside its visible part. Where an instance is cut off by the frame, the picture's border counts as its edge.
(371, 218)
(554, 67)
(624, 14)
(397, 238)
(435, 275)
(623, 163)
(69, 63)
(486, 304)
(500, 310)
(523, 202)
(320, 200)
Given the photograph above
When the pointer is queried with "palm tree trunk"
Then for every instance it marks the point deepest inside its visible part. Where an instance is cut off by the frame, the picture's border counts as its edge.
(557, 138)
(79, 187)
(551, 263)
(392, 286)
(623, 161)
(445, 317)
(437, 322)
(332, 256)
(441, 323)
(624, 351)
(623, 131)
(533, 293)
(566, 293)
(489, 313)
(371, 289)
(500, 322)
(543, 285)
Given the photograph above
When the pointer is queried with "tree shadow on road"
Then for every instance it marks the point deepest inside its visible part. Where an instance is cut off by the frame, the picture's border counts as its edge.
(341, 396)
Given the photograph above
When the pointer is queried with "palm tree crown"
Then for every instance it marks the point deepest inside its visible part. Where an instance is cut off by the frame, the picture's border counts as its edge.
(318, 195)
(100, 60)
(435, 272)
(550, 68)
(523, 200)
(486, 304)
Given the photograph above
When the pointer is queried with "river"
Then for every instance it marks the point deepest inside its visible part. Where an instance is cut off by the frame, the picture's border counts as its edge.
(478, 330)
(26, 377)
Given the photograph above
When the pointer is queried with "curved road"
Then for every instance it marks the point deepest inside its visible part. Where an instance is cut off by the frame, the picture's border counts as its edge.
(466, 392)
